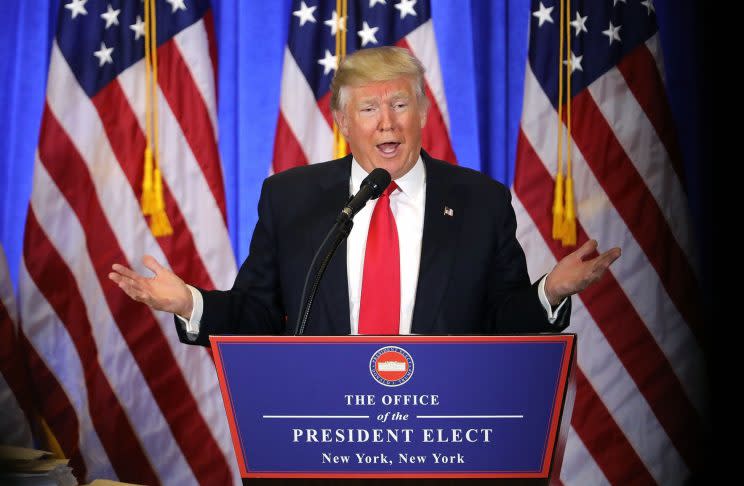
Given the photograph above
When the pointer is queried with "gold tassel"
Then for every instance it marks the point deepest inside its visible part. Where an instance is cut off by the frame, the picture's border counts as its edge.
(568, 237)
(148, 195)
(339, 143)
(564, 211)
(159, 223)
(153, 204)
(51, 441)
(558, 207)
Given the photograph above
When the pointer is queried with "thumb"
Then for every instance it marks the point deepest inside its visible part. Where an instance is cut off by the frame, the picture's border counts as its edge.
(151, 263)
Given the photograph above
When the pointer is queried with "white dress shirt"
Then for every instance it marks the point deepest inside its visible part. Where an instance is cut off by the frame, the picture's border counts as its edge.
(407, 204)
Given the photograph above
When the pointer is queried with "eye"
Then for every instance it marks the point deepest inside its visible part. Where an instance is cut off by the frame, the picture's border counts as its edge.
(400, 105)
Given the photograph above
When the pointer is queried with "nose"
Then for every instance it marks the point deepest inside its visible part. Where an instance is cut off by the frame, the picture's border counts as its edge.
(387, 119)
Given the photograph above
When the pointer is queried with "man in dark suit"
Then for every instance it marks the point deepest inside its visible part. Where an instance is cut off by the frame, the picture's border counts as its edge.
(435, 254)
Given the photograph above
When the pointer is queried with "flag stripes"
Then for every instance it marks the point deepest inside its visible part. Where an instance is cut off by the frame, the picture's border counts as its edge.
(641, 406)
(130, 402)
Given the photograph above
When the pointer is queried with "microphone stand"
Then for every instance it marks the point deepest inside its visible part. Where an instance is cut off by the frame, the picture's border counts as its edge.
(338, 233)
(371, 188)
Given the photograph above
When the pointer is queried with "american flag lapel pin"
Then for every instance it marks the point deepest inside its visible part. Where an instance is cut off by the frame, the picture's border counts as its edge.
(449, 211)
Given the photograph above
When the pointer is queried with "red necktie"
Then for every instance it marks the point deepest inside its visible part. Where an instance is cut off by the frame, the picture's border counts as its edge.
(379, 309)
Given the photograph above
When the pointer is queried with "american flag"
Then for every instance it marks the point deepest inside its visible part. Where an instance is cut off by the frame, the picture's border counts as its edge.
(641, 406)
(15, 407)
(304, 133)
(124, 398)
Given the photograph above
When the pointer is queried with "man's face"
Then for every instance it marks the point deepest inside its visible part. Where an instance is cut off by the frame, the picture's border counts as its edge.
(382, 123)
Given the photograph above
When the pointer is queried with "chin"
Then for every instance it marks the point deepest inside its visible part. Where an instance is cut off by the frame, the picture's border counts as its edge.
(394, 166)
(393, 169)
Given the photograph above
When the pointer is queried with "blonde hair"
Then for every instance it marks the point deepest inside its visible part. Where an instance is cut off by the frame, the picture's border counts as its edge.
(377, 64)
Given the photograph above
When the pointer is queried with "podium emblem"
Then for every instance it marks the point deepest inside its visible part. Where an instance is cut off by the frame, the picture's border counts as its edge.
(391, 366)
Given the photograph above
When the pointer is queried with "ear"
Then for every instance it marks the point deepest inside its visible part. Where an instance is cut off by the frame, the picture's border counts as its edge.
(423, 113)
(342, 121)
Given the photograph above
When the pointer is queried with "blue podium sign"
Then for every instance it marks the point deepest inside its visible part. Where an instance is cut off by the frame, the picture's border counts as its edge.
(395, 406)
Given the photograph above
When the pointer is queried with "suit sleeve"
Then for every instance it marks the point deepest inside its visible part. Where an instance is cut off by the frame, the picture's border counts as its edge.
(513, 304)
(253, 304)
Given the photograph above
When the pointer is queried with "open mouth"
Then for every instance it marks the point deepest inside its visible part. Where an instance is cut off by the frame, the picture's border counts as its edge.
(388, 149)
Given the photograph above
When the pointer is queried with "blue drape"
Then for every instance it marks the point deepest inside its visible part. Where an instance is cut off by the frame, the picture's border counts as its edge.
(26, 28)
(482, 48)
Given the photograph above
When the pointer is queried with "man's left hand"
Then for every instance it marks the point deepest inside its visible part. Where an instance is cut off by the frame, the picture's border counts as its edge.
(573, 274)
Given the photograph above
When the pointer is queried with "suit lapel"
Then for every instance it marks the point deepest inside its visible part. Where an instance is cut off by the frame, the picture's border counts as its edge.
(334, 289)
(439, 241)
(444, 202)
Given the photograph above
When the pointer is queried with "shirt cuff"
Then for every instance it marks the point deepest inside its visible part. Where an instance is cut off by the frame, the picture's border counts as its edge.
(191, 326)
(552, 314)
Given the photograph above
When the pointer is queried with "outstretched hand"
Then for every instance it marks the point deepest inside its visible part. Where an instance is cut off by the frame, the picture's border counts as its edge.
(165, 291)
(573, 274)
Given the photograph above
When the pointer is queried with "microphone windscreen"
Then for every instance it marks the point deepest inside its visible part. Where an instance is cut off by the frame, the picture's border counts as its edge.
(377, 180)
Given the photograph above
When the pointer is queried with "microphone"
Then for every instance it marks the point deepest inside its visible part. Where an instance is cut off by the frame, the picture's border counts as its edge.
(371, 188)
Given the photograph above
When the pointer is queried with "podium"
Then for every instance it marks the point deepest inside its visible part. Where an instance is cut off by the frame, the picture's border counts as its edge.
(409, 408)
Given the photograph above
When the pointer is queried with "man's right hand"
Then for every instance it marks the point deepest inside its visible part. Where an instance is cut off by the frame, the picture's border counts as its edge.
(165, 291)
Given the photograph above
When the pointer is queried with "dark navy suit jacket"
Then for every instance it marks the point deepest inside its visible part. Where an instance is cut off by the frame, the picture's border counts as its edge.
(472, 276)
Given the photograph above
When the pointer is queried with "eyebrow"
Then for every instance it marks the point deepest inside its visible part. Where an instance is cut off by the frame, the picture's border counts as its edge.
(399, 94)
(374, 99)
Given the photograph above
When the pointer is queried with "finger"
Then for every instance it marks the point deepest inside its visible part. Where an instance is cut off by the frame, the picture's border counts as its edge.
(126, 272)
(600, 264)
(586, 249)
(151, 263)
(118, 278)
(606, 258)
(137, 291)
(612, 254)
(134, 285)
(129, 290)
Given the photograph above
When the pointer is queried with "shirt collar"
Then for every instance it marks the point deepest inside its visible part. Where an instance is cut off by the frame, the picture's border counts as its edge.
(411, 184)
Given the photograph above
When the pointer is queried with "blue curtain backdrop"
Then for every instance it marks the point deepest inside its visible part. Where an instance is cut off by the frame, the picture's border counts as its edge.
(482, 49)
